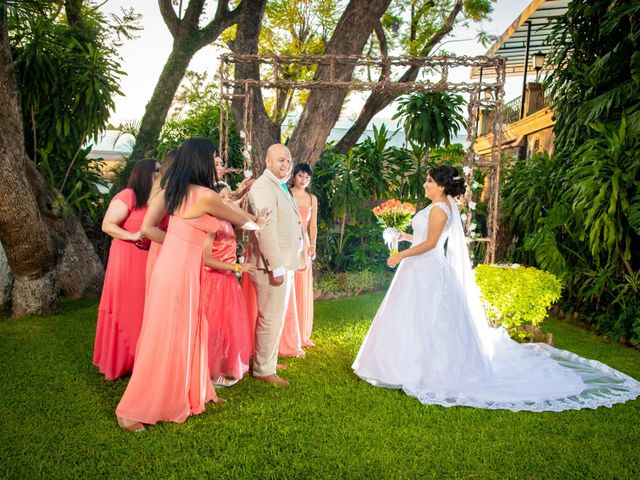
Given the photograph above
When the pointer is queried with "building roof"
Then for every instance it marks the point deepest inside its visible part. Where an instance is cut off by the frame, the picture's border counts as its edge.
(111, 142)
(512, 43)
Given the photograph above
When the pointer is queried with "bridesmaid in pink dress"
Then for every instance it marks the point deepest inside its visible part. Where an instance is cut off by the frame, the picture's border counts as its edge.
(170, 378)
(123, 292)
(157, 236)
(299, 319)
(230, 343)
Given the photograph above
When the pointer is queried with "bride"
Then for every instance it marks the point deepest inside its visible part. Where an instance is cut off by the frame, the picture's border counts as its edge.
(431, 339)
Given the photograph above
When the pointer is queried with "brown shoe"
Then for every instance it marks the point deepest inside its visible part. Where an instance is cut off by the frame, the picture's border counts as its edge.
(274, 379)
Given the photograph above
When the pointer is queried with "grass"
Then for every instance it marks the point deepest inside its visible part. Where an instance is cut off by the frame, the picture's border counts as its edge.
(57, 417)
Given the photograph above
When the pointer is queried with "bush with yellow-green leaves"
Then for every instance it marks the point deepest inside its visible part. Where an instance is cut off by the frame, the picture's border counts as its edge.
(515, 296)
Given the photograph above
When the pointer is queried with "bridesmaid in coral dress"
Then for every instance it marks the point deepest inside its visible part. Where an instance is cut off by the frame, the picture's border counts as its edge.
(157, 235)
(299, 319)
(230, 341)
(170, 378)
(122, 302)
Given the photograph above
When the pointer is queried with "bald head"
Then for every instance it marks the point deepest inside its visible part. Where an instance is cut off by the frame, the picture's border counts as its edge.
(279, 161)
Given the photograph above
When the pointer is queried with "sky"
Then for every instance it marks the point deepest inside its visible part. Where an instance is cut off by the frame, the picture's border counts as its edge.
(144, 57)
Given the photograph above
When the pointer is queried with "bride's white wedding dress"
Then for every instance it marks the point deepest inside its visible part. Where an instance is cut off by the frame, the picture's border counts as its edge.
(430, 338)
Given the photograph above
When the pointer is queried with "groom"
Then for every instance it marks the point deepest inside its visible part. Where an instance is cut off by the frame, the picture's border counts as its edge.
(277, 252)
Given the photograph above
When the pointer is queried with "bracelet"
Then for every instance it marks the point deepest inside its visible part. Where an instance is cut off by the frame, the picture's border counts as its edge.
(236, 268)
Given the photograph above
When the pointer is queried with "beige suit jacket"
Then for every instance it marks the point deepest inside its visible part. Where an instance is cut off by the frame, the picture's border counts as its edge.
(279, 244)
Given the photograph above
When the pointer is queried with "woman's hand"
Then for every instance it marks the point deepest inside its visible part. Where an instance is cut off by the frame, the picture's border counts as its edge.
(405, 236)
(135, 236)
(394, 259)
(311, 251)
(247, 268)
(244, 187)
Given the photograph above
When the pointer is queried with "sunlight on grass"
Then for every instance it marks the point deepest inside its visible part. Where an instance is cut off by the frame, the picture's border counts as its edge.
(58, 417)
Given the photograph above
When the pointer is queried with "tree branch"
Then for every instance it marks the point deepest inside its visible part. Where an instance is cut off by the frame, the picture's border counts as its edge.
(444, 30)
(221, 21)
(382, 39)
(73, 9)
(170, 18)
(379, 99)
(384, 49)
(193, 12)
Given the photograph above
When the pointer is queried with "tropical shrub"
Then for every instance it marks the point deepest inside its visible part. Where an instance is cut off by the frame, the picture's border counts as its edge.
(516, 296)
(577, 214)
(67, 68)
(597, 74)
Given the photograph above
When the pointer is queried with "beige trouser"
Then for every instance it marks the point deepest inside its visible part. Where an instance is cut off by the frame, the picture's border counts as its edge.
(272, 308)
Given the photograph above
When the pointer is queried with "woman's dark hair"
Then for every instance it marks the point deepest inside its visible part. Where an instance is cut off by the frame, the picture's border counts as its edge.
(193, 165)
(167, 160)
(141, 180)
(219, 186)
(300, 167)
(449, 178)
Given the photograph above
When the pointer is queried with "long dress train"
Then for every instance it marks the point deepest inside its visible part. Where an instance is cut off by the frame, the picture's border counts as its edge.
(430, 338)
(170, 378)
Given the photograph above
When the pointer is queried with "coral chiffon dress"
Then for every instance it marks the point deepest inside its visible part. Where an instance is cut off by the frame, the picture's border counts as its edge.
(154, 250)
(230, 340)
(170, 378)
(122, 301)
(298, 321)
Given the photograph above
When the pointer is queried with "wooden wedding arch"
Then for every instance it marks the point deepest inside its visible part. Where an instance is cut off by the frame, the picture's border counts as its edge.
(487, 93)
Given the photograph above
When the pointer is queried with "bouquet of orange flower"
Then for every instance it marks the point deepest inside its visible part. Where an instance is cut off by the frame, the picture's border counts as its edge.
(395, 217)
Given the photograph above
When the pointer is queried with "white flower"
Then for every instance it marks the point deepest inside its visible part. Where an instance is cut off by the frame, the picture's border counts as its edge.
(390, 236)
(463, 217)
(469, 239)
(472, 227)
(466, 170)
(475, 184)
(247, 173)
(246, 154)
(472, 205)
(242, 134)
(249, 148)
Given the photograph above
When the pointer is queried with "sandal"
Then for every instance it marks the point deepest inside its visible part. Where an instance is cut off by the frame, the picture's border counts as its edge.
(135, 427)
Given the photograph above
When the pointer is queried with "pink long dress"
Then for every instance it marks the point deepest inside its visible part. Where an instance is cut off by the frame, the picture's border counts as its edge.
(154, 250)
(298, 322)
(230, 343)
(170, 378)
(122, 301)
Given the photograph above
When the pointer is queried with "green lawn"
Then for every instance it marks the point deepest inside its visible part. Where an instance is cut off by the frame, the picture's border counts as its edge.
(57, 417)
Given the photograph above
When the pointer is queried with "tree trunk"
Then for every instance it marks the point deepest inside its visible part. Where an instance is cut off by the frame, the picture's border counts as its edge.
(323, 106)
(264, 132)
(46, 253)
(157, 109)
(379, 99)
(188, 38)
(6, 282)
(23, 232)
(80, 271)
